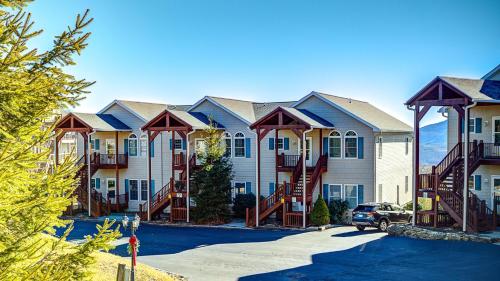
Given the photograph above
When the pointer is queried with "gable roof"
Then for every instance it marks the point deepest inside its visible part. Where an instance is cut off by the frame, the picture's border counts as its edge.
(144, 110)
(102, 122)
(197, 120)
(476, 89)
(312, 119)
(362, 111)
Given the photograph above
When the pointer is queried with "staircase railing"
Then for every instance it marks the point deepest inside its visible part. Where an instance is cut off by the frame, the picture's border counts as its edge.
(297, 171)
(160, 196)
(321, 165)
(265, 204)
(179, 159)
(285, 160)
(444, 166)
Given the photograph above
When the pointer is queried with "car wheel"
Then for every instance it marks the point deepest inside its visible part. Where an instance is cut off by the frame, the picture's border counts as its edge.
(383, 224)
(360, 227)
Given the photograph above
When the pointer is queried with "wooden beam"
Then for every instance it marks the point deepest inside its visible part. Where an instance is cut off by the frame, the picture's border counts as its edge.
(440, 90)
(153, 136)
(182, 134)
(459, 109)
(444, 102)
(263, 134)
(298, 133)
(280, 118)
(422, 113)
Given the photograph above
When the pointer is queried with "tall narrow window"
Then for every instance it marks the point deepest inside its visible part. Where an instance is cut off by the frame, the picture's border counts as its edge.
(239, 145)
(144, 190)
(472, 125)
(380, 148)
(228, 143)
(144, 145)
(335, 145)
(134, 189)
(351, 145)
(132, 145)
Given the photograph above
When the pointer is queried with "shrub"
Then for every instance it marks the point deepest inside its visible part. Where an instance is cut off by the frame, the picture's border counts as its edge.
(320, 214)
(241, 202)
(338, 209)
(409, 206)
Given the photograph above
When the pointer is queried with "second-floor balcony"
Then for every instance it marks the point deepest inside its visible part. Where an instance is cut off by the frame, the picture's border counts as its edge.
(109, 161)
(287, 162)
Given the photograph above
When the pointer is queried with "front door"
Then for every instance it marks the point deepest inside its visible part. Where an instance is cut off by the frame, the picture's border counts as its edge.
(495, 191)
(496, 130)
(111, 184)
(309, 151)
(200, 148)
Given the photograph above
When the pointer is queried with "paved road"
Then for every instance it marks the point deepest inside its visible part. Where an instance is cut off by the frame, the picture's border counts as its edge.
(337, 254)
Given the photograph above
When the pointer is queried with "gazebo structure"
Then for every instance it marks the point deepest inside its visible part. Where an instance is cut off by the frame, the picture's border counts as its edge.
(448, 183)
(86, 125)
(176, 192)
(303, 178)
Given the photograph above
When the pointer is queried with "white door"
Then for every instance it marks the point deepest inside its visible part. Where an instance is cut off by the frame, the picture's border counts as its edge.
(496, 130)
(495, 190)
(309, 151)
(111, 185)
(200, 148)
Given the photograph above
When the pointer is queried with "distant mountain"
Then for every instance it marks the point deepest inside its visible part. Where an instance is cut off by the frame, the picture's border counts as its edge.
(433, 143)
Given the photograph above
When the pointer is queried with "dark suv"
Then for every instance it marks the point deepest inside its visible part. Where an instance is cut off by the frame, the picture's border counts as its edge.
(379, 215)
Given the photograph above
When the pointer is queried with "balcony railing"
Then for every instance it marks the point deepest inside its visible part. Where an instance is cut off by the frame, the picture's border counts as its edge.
(103, 160)
(180, 159)
(491, 150)
(287, 161)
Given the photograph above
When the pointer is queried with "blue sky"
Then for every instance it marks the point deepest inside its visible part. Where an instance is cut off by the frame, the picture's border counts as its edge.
(179, 51)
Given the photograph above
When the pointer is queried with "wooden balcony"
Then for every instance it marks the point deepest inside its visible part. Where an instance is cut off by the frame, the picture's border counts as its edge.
(490, 153)
(109, 161)
(179, 162)
(287, 163)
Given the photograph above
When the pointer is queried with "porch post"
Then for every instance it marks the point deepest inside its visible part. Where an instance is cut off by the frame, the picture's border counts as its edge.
(86, 145)
(187, 176)
(304, 182)
(416, 163)
(56, 149)
(321, 154)
(117, 174)
(276, 157)
(149, 174)
(173, 157)
(257, 190)
(466, 169)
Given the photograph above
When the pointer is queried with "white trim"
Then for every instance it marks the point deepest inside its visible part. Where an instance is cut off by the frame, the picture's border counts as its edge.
(207, 98)
(493, 119)
(341, 191)
(136, 145)
(341, 142)
(124, 107)
(357, 195)
(230, 138)
(244, 145)
(130, 190)
(107, 188)
(492, 189)
(317, 95)
(357, 143)
(299, 148)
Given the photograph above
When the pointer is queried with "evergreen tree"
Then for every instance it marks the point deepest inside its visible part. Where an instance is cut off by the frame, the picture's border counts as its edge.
(33, 85)
(212, 183)
(320, 214)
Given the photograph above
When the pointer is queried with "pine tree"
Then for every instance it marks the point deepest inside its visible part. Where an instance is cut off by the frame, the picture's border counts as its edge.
(320, 214)
(33, 85)
(212, 183)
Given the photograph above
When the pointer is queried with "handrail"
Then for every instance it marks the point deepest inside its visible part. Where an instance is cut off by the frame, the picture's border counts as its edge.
(288, 160)
(297, 172)
(266, 203)
(160, 195)
(320, 164)
(455, 153)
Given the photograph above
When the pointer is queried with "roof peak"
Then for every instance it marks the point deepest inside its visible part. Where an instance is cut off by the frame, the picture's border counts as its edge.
(335, 96)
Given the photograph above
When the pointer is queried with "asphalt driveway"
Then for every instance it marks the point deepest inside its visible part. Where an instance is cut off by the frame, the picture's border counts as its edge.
(341, 253)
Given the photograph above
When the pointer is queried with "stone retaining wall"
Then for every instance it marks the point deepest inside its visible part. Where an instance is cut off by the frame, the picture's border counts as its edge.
(408, 230)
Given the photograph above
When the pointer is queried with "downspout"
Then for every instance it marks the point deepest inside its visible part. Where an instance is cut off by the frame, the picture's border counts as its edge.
(466, 164)
(188, 199)
(257, 183)
(304, 175)
(88, 167)
(413, 194)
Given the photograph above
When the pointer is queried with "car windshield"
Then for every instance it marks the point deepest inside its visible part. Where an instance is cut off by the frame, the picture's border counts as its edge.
(365, 208)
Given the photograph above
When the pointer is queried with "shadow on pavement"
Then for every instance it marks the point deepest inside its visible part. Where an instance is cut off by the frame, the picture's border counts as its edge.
(397, 258)
(356, 233)
(160, 240)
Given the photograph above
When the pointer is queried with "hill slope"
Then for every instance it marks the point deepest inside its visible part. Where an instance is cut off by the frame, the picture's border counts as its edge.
(433, 143)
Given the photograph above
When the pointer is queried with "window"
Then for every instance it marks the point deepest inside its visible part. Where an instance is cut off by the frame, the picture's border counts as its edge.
(239, 188)
(144, 190)
(239, 145)
(472, 125)
(351, 145)
(496, 130)
(335, 192)
(227, 142)
(406, 184)
(351, 195)
(144, 145)
(335, 145)
(407, 145)
(134, 189)
(380, 148)
(178, 144)
(132, 145)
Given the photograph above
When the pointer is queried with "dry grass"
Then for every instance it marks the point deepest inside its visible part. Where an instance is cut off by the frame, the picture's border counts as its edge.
(107, 266)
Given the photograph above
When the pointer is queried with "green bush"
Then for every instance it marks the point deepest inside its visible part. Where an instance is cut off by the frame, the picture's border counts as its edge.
(241, 202)
(338, 209)
(409, 206)
(320, 214)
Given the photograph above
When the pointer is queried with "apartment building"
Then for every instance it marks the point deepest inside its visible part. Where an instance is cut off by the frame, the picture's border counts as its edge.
(472, 107)
(289, 152)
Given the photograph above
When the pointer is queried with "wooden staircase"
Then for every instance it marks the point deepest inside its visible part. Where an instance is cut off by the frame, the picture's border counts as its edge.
(98, 204)
(281, 199)
(446, 181)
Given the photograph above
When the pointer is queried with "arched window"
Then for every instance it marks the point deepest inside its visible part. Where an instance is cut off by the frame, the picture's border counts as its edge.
(335, 145)
(239, 145)
(132, 145)
(228, 142)
(144, 145)
(351, 144)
